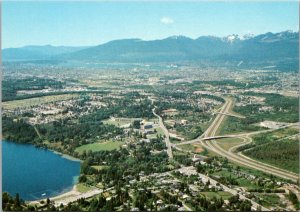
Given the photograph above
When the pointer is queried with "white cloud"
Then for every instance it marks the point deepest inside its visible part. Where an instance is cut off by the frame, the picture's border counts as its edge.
(166, 20)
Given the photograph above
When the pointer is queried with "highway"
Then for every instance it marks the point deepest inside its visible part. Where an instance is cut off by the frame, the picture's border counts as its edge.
(233, 115)
(238, 158)
(166, 133)
(239, 135)
(208, 141)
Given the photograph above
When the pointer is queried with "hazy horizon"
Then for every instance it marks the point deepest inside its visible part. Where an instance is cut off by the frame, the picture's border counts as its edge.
(31, 45)
(95, 23)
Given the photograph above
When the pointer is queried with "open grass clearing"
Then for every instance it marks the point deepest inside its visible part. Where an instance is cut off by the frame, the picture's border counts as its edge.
(227, 143)
(218, 194)
(81, 187)
(242, 182)
(188, 147)
(11, 105)
(100, 146)
(285, 132)
(159, 132)
(117, 122)
(99, 167)
(268, 200)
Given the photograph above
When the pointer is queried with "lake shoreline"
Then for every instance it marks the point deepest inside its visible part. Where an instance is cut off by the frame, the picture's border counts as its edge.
(63, 155)
(66, 156)
(68, 190)
(73, 191)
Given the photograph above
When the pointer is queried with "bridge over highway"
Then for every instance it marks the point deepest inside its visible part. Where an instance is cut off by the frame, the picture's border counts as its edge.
(208, 138)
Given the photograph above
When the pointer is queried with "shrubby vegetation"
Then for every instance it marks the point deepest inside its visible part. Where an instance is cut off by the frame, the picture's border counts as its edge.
(235, 125)
(18, 130)
(285, 109)
(10, 203)
(283, 154)
(293, 198)
(125, 162)
(11, 86)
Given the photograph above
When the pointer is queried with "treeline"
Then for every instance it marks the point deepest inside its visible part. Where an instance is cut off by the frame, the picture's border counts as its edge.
(18, 130)
(124, 164)
(293, 198)
(170, 93)
(10, 203)
(283, 154)
(100, 203)
(183, 106)
(217, 98)
(126, 108)
(201, 203)
(11, 86)
(189, 131)
(237, 84)
(81, 132)
(285, 109)
(233, 124)
(29, 96)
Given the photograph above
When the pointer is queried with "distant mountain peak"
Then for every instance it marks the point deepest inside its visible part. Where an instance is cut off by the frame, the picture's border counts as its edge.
(264, 47)
(231, 38)
(179, 37)
(247, 36)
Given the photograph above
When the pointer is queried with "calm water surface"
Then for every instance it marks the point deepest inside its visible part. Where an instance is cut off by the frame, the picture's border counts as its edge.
(36, 173)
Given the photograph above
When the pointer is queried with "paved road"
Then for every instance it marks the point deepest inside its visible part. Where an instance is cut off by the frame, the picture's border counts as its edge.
(167, 135)
(238, 158)
(233, 115)
(208, 141)
(190, 170)
(239, 135)
(212, 145)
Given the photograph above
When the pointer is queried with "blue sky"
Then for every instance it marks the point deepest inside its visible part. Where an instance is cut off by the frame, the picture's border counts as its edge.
(93, 23)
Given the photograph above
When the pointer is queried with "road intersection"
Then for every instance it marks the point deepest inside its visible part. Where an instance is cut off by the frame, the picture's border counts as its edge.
(208, 140)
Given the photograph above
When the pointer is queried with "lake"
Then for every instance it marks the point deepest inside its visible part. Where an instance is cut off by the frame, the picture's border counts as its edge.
(36, 173)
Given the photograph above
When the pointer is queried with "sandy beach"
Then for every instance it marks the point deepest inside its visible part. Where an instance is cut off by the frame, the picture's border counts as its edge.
(60, 196)
(66, 156)
(70, 196)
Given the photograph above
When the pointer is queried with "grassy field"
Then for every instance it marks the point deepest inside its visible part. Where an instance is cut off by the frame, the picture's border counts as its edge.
(225, 195)
(284, 132)
(120, 121)
(268, 199)
(227, 143)
(188, 147)
(117, 122)
(11, 105)
(242, 182)
(100, 146)
(99, 167)
(81, 187)
(158, 132)
(234, 125)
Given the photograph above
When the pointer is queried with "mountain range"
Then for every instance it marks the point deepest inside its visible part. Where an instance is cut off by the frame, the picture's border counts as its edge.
(36, 52)
(282, 46)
